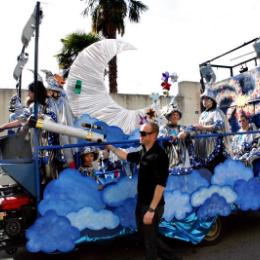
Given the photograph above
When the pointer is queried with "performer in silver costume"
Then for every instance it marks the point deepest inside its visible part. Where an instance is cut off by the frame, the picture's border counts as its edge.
(246, 147)
(88, 156)
(59, 103)
(25, 113)
(212, 120)
(49, 167)
(242, 144)
(176, 148)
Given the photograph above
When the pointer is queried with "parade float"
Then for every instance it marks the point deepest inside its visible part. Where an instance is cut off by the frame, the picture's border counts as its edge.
(71, 209)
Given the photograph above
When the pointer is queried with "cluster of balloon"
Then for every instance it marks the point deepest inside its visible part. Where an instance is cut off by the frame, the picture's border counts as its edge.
(166, 86)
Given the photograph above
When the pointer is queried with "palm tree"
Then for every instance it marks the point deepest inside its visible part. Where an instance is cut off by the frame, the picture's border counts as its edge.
(108, 17)
(73, 44)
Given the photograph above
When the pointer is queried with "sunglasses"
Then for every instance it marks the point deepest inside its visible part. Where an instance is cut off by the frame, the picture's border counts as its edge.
(143, 133)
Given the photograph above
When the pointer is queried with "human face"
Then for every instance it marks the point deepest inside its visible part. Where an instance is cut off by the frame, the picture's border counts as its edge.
(174, 118)
(244, 123)
(207, 102)
(88, 159)
(146, 134)
(105, 154)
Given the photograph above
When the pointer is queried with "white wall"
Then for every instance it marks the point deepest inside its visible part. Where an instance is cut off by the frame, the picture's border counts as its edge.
(189, 100)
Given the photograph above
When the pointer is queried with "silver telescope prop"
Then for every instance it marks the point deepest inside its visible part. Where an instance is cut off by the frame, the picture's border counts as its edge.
(51, 126)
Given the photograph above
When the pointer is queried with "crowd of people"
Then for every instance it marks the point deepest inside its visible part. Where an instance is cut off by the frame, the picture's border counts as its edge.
(186, 147)
(52, 103)
(183, 149)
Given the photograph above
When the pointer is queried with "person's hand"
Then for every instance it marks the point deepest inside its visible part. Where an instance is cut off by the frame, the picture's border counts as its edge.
(199, 127)
(100, 187)
(182, 135)
(173, 138)
(2, 129)
(109, 147)
(148, 218)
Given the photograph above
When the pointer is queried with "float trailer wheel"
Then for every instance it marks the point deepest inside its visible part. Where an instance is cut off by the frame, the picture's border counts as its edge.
(11, 250)
(13, 227)
(215, 234)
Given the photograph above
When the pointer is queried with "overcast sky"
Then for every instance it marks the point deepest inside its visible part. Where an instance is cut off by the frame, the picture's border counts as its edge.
(173, 35)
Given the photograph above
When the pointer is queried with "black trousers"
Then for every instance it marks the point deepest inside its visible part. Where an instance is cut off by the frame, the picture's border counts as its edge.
(149, 232)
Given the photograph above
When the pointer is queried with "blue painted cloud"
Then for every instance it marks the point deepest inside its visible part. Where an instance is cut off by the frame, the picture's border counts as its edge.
(83, 119)
(126, 213)
(248, 194)
(115, 195)
(69, 193)
(51, 233)
(113, 133)
(177, 204)
(214, 206)
(199, 197)
(94, 220)
(186, 183)
(230, 171)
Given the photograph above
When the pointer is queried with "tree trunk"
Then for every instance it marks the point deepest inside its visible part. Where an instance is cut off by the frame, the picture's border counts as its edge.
(113, 75)
(112, 65)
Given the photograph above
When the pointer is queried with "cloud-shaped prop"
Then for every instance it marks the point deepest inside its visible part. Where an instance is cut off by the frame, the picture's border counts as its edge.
(228, 172)
(186, 183)
(126, 213)
(71, 192)
(177, 204)
(85, 119)
(113, 133)
(115, 195)
(50, 233)
(248, 194)
(199, 197)
(214, 206)
(95, 220)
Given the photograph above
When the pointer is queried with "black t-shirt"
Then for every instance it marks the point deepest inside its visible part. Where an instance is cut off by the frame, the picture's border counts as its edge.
(154, 170)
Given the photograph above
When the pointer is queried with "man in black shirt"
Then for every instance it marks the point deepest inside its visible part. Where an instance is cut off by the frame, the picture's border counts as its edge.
(152, 178)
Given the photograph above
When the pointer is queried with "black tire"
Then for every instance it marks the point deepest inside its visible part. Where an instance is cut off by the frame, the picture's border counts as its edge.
(13, 227)
(11, 250)
(215, 234)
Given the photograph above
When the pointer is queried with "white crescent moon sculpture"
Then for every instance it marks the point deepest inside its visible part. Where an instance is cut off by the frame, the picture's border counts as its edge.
(93, 99)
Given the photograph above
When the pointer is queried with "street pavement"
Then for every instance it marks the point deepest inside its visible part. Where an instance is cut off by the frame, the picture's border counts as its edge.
(240, 241)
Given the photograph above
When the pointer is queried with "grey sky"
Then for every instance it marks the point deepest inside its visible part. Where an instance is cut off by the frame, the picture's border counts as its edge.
(174, 36)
